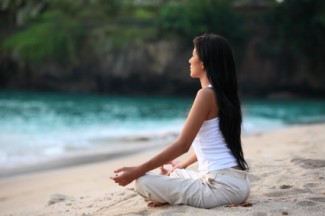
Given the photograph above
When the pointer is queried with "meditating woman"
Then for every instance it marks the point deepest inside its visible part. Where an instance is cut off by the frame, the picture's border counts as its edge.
(212, 128)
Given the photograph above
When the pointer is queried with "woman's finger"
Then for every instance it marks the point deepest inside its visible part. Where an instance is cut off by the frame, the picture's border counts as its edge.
(113, 178)
(119, 169)
(170, 171)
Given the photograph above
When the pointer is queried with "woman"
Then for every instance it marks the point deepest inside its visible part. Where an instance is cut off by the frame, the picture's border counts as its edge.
(213, 128)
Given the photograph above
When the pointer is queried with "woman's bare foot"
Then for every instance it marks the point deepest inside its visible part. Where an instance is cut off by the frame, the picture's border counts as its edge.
(155, 204)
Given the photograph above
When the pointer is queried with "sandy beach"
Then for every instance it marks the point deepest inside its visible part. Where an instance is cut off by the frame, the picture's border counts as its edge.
(287, 170)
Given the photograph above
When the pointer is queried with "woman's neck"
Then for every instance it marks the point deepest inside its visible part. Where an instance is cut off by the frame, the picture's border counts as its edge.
(204, 83)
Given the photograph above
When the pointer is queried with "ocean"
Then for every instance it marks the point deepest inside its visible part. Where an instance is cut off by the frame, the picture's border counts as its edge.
(39, 126)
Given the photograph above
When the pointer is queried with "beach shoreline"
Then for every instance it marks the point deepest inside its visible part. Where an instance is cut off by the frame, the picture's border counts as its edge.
(99, 154)
(105, 150)
(287, 170)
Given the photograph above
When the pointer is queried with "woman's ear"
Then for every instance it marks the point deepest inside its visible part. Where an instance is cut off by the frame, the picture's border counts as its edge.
(202, 66)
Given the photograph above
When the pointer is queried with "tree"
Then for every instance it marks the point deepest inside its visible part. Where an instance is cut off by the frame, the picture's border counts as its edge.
(298, 28)
(194, 17)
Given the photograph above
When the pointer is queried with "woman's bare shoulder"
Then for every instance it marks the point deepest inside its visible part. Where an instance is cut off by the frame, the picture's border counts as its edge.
(207, 97)
(206, 93)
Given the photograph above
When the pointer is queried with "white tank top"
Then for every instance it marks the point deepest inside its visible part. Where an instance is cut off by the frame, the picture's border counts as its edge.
(211, 149)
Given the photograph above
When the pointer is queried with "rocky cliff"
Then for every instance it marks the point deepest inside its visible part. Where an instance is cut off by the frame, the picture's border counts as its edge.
(158, 68)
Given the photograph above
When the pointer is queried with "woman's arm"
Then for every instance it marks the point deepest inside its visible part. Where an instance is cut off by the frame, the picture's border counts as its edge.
(179, 165)
(198, 114)
(189, 161)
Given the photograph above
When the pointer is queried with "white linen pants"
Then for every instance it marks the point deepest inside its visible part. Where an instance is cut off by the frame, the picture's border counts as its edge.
(216, 188)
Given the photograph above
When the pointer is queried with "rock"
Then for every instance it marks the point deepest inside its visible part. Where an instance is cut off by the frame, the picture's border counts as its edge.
(285, 186)
(55, 198)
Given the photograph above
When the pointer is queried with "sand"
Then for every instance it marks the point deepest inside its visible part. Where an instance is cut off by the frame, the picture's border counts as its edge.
(287, 170)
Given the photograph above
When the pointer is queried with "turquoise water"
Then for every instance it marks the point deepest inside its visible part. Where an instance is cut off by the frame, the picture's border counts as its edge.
(38, 126)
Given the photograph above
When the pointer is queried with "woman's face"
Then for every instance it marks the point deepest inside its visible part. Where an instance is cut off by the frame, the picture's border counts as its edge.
(196, 65)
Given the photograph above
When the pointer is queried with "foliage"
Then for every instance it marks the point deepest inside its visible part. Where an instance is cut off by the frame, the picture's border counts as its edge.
(185, 19)
(299, 27)
(59, 33)
(88, 9)
(195, 17)
(54, 35)
(67, 28)
(62, 29)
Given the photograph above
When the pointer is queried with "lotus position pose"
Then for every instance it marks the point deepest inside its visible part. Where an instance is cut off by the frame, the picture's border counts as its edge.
(212, 128)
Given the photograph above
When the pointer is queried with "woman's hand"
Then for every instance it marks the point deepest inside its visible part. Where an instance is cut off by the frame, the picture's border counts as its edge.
(125, 175)
(175, 165)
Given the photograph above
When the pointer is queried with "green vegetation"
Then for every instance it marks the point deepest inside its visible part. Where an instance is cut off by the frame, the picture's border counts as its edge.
(47, 39)
(195, 17)
(64, 30)
(61, 31)
(297, 28)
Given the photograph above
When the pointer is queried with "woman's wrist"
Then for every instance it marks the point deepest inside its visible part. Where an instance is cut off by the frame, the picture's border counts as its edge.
(183, 165)
(140, 170)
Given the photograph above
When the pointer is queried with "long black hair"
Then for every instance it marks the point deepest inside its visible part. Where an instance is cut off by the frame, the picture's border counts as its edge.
(217, 57)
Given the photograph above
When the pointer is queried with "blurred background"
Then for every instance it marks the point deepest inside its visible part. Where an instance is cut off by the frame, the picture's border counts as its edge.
(143, 46)
(75, 73)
